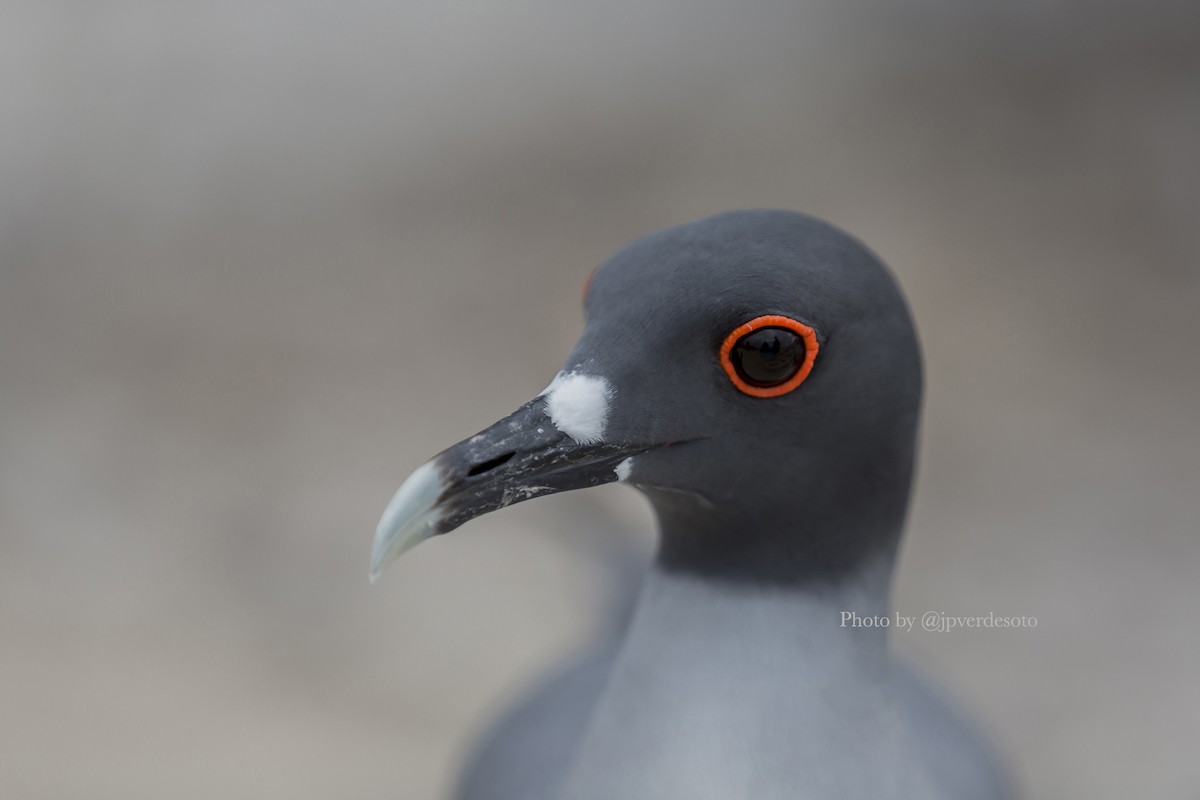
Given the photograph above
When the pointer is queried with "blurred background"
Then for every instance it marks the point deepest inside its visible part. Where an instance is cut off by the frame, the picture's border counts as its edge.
(261, 259)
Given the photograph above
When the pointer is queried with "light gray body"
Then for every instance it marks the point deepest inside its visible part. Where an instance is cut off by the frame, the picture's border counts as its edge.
(725, 707)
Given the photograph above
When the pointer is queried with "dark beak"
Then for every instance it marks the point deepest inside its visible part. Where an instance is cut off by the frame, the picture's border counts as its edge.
(520, 457)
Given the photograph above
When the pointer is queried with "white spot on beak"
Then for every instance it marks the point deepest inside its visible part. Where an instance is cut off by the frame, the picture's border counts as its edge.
(578, 405)
(623, 469)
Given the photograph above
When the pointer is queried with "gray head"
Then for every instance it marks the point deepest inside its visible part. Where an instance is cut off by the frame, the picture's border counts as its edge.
(756, 374)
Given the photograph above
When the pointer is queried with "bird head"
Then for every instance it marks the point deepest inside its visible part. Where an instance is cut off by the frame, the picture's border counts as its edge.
(756, 374)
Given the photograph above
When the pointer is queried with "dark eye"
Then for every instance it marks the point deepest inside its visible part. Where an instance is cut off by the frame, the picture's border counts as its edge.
(769, 355)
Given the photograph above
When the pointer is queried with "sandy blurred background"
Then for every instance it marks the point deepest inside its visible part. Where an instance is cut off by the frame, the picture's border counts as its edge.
(261, 259)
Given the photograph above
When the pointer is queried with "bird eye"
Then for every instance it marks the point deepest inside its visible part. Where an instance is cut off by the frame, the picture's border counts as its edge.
(769, 356)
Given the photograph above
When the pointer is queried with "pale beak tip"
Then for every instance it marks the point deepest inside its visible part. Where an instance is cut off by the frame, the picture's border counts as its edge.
(410, 518)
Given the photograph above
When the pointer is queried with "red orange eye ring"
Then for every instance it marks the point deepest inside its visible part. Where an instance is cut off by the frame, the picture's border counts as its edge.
(770, 321)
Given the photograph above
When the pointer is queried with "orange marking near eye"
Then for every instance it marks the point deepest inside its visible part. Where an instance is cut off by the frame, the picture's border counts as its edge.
(770, 321)
(587, 285)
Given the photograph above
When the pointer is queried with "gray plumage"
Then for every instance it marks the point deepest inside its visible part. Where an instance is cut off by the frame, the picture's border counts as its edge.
(526, 752)
(734, 677)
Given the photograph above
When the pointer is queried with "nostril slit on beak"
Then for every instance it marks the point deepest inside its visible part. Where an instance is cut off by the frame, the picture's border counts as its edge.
(490, 464)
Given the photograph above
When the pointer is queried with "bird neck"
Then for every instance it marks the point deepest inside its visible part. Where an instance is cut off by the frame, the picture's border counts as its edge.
(723, 690)
(817, 526)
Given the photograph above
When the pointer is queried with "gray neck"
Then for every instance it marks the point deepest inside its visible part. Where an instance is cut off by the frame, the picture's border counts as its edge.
(814, 520)
(723, 690)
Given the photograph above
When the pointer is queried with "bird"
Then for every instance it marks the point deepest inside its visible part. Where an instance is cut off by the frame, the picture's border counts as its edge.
(757, 376)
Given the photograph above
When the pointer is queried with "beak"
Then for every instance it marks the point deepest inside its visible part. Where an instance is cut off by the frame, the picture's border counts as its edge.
(520, 457)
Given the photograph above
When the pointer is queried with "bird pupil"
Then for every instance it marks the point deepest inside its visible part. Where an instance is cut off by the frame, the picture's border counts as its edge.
(768, 356)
